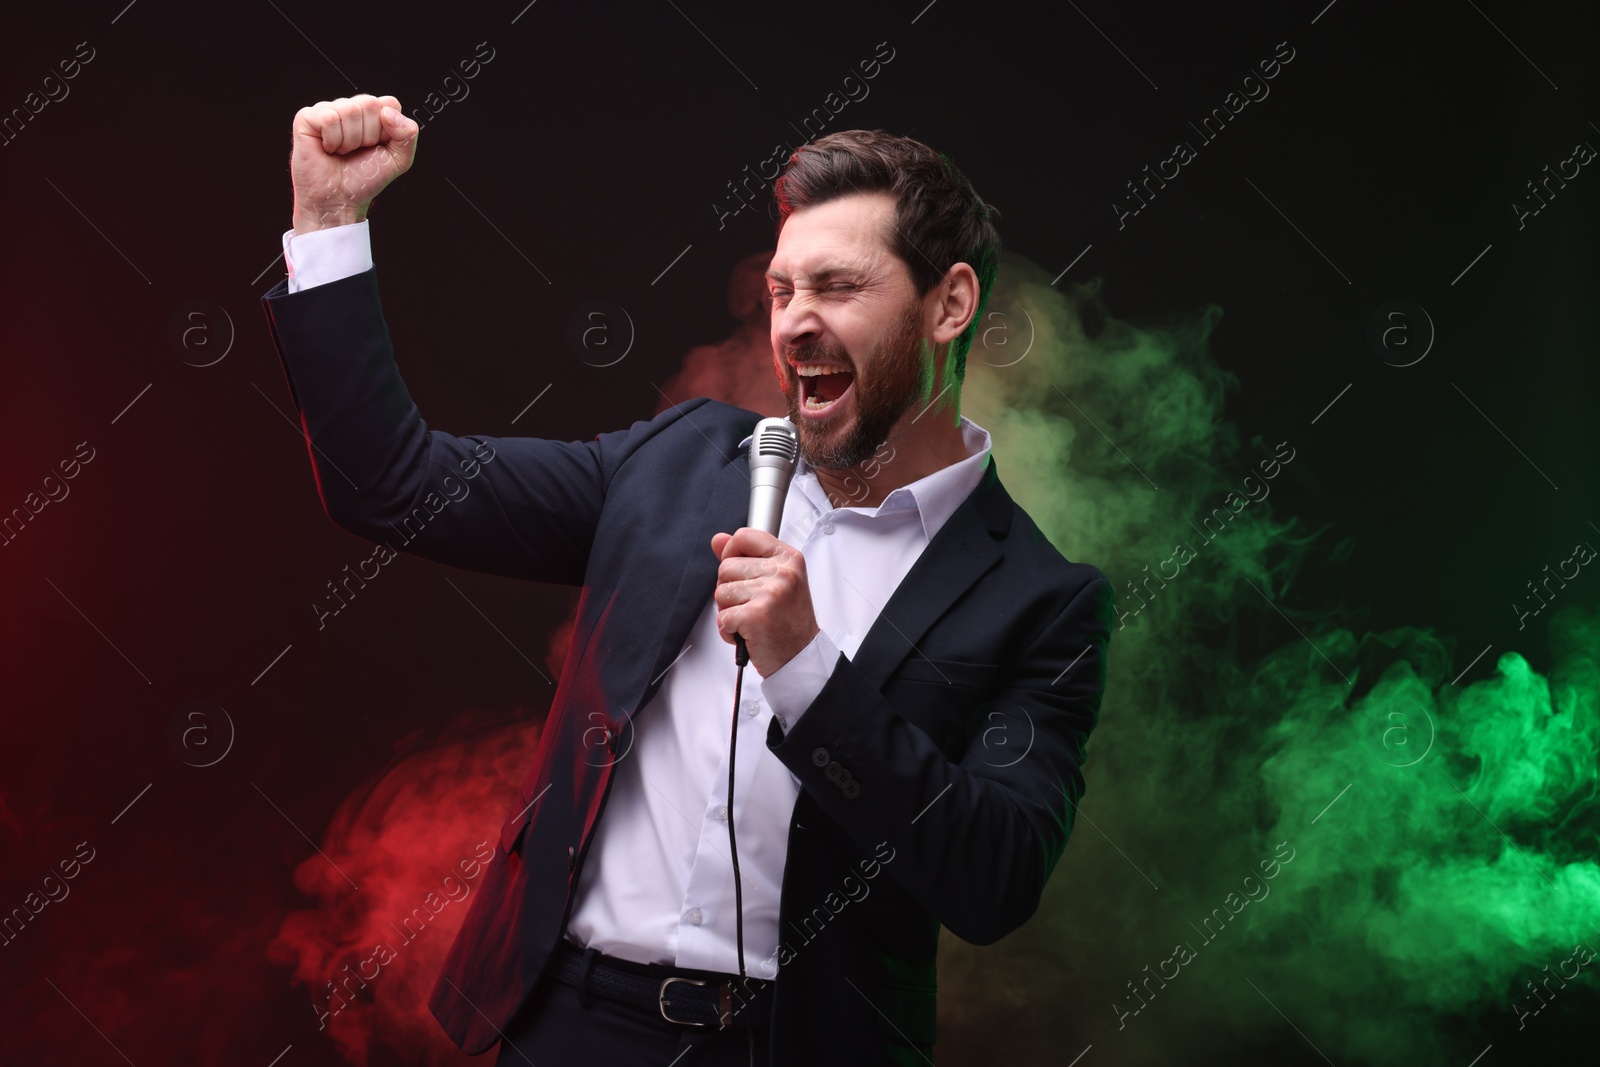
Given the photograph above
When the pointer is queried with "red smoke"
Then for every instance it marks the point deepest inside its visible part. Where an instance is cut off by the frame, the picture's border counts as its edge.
(738, 370)
(414, 842)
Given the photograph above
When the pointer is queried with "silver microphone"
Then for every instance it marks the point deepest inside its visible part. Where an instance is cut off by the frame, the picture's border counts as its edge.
(773, 450)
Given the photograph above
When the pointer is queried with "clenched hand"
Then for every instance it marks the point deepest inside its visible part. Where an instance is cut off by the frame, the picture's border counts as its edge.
(346, 151)
(763, 596)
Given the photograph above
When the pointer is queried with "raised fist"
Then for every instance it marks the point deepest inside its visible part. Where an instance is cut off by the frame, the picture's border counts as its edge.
(346, 151)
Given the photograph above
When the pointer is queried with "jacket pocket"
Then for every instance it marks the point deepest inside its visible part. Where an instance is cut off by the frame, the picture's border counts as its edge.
(512, 832)
(946, 672)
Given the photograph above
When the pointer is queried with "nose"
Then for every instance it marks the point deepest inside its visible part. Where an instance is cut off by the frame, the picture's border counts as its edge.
(795, 324)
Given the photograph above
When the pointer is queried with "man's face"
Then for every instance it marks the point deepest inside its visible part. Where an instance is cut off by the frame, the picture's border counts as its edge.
(844, 304)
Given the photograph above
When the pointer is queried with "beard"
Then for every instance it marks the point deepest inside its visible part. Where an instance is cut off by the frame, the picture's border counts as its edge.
(880, 397)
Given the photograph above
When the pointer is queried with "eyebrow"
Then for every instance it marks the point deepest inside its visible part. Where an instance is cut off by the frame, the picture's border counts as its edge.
(821, 275)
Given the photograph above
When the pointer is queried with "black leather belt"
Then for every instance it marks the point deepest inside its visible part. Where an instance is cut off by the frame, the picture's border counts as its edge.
(659, 992)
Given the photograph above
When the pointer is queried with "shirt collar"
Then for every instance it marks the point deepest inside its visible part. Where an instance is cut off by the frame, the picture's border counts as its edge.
(934, 496)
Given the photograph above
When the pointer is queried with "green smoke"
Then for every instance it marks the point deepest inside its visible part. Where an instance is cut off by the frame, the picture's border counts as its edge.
(1440, 862)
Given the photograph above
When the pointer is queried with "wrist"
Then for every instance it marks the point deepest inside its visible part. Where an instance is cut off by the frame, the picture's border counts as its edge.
(308, 218)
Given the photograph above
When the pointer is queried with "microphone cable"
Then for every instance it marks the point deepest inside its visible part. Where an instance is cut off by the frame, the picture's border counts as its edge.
(741, 657)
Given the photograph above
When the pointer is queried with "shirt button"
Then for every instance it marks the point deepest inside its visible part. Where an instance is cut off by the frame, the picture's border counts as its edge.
(751, 707)
(720, 813)
(694, 916)
(827, 526)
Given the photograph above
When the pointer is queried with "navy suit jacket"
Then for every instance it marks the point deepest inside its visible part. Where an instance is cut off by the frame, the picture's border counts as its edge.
(962, 718)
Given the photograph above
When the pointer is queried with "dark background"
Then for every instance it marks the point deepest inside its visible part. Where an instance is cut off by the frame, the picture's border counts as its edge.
(596, 142)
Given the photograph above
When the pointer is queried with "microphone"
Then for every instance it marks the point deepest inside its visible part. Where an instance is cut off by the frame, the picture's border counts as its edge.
(773, 450)
(774, 447)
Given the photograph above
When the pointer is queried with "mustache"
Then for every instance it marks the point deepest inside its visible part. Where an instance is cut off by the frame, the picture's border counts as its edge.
(820, 354)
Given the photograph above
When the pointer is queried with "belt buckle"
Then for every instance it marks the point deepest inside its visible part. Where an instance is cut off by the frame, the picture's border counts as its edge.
(661, 999)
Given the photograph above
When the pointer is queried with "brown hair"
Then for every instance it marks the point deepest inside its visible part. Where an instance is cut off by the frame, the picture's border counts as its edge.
(939, 219)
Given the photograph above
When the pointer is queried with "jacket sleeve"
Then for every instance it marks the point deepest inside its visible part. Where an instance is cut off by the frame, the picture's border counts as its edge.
(975, 839)
(520, 507)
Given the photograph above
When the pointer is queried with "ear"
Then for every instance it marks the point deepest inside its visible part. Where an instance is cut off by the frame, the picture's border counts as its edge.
(955, 302)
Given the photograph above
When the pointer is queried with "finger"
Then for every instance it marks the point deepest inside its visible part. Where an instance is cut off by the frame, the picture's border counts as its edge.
(731, 594)
(325, 120)
(307, 122)
(748, 541)
(371, 121)
(719, 542)
(739, 569)
(401, 134)
(350, 125)
(385, 104)
(337, 125)
(396, 126)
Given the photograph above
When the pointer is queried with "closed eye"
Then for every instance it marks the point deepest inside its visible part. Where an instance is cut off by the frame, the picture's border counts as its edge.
(785, 294)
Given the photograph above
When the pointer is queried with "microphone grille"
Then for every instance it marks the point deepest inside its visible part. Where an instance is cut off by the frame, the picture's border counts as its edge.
(777, 437)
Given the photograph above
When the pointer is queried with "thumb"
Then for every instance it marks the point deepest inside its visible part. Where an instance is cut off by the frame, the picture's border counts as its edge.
(718, 542)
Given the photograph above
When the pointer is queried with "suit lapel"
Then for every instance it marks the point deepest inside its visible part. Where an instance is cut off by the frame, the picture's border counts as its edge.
(727, 509)
(962, 551)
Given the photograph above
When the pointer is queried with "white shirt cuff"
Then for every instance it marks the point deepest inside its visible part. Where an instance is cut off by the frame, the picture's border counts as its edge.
(323, 256)
(791, 688)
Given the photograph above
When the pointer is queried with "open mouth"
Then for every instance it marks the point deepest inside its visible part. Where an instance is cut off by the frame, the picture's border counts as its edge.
(822, 386)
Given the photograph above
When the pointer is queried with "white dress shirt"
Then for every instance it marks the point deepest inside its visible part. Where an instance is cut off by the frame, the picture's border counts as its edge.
(657, 883)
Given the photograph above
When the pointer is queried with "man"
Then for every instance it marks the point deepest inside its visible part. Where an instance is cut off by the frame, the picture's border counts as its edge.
(929, 666)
